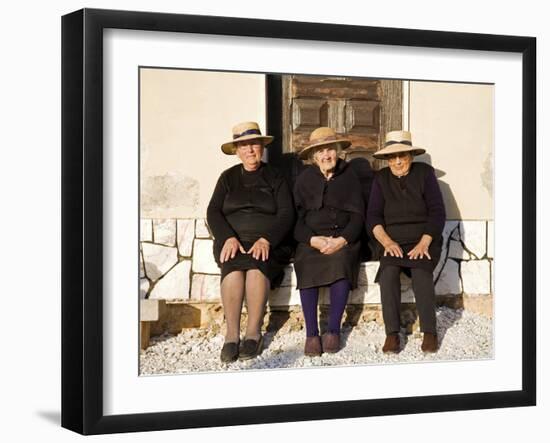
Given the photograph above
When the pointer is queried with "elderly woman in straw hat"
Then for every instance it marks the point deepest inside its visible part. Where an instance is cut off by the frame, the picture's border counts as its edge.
(250, 214)
(406, 215)
(330, 210)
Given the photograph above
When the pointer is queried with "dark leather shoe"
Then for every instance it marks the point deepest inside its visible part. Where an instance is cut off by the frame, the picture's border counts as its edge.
(392, 344)
(331, 342)
(429, 343)
(313, 346)
(230, 352)
(251, 348)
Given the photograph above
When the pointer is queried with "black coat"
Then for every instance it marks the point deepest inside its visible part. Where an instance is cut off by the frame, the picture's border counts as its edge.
(332, 208)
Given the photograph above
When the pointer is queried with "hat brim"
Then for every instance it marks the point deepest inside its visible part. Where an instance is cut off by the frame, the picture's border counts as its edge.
(229, 148)
(344, 143)
(397, 148)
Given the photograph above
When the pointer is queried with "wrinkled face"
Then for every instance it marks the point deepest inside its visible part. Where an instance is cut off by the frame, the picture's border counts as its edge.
(326, 158)
(250, 153)
(400, 163)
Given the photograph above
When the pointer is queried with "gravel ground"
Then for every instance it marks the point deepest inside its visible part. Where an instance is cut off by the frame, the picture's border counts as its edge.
(462, 336)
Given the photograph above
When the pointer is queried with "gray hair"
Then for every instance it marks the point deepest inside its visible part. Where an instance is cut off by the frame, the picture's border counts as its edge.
(336, 147)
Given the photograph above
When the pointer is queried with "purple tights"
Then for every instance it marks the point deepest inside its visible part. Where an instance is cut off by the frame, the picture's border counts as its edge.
(309, 297)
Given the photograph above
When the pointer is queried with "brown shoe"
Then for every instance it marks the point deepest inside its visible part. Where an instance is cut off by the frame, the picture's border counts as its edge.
(313, 346)
(429, 343)
(392, 344)
(331, 343)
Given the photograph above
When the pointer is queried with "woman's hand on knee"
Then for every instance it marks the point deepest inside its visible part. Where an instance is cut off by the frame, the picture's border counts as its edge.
(260, 249)
(392, 248)
(230, 248)
(421, 248)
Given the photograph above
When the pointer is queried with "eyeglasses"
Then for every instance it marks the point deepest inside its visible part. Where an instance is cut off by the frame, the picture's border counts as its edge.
(401, 155)
(247, 146)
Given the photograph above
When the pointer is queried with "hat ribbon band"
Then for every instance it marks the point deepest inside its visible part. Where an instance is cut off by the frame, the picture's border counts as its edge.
(393, 142)
(324, 139)
(247, 132)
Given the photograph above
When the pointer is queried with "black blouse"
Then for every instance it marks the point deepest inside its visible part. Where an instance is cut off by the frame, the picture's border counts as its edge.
(251, 204)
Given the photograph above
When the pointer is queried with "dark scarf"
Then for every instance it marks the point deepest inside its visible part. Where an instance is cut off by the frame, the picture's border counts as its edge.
(343, 190)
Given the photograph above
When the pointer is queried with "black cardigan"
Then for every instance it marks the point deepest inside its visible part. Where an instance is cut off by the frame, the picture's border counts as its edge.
(331, 207)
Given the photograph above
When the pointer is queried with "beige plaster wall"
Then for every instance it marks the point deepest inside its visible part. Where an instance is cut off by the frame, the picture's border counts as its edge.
(185, 117)
(454, 123)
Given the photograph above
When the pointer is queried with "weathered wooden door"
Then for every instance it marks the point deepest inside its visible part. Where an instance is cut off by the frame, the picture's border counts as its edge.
(361, 109)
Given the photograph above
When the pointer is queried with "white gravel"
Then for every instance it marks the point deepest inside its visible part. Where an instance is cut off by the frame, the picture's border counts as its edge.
(462, 335)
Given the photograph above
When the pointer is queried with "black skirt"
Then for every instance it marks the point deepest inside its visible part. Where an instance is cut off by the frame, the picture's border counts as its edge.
(314, 269)
(406, 263)
(272, 268)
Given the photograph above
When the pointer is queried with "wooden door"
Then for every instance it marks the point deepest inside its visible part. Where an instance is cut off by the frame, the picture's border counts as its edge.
(361, 109)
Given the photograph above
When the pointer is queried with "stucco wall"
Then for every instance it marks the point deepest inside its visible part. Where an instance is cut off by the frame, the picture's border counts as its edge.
(185, 117)
(454, 123)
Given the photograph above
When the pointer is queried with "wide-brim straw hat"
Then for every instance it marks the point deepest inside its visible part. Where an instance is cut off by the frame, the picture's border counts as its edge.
(245, 131)
(396, 142)
(323, 137)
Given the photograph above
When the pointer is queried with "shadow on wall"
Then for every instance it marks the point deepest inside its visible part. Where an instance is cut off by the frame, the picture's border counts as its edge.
(290, 166)
(451, 206)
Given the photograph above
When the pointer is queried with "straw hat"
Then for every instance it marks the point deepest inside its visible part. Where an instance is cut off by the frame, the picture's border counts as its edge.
(398, 141)
(323, 136)
(245, 131)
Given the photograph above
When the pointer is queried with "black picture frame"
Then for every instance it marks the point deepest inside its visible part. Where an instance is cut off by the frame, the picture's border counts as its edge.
(82, 218)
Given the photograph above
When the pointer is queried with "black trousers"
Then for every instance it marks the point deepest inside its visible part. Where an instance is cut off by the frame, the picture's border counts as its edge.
(424, 294)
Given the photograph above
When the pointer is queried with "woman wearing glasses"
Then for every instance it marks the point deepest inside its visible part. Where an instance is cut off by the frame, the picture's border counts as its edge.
(406, 216)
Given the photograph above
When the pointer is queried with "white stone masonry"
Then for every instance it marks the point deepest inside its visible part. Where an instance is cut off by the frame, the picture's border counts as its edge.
(158, 259)
(175, 284)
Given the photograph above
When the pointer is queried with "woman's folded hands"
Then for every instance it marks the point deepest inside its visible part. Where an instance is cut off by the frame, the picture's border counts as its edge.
(327, 245)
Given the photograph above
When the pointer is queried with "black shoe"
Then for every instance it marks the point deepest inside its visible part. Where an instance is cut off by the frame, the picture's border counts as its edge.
(251, 348)
(230, 352)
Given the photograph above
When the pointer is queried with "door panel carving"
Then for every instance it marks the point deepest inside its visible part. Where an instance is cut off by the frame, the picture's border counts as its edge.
(363, 110)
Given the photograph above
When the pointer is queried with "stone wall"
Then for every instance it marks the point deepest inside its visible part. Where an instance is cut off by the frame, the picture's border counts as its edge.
(177, 264)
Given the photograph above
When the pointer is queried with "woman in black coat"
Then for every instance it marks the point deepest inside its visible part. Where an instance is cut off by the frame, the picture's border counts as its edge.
(250, 215)
(330, 209)
(406, 215)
